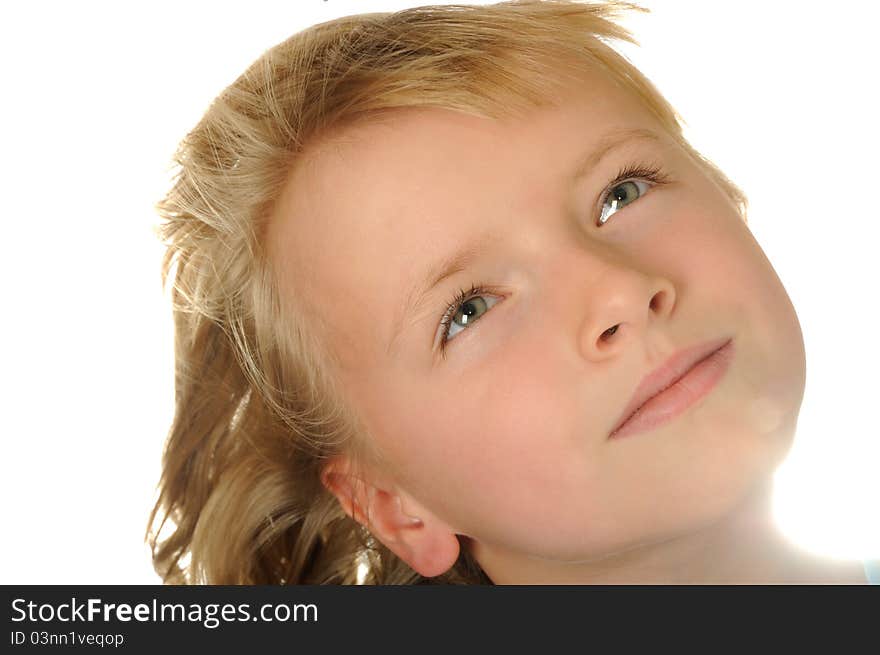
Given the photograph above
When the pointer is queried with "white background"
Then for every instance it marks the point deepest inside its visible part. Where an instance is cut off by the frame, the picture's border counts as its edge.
(95, 97)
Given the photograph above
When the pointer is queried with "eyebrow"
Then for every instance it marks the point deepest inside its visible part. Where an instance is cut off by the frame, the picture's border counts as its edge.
(462, 258)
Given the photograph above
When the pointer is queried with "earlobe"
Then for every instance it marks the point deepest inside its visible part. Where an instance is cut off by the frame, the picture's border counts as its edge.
(409, 530)
(430, 552)
(425, 543)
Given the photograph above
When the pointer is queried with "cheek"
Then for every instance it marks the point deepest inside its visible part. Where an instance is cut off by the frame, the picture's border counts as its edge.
(745, 291)
(500, 447)
(730, 278)
(719, 265)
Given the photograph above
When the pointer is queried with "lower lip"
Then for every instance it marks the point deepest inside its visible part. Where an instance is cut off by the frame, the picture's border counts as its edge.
(671, 402)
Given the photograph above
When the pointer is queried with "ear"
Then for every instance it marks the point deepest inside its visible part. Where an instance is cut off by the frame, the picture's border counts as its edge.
(408, 529)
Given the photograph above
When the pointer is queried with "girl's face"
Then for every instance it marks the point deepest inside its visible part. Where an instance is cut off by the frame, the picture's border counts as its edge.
(502, 434)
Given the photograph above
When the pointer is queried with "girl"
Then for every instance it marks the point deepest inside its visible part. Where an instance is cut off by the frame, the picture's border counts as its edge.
(456, 302)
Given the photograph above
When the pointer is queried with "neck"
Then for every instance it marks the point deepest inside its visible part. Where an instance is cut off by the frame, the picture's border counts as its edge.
(745, 547)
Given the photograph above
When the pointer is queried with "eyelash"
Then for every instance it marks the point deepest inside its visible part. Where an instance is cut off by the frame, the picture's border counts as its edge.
(649, 172)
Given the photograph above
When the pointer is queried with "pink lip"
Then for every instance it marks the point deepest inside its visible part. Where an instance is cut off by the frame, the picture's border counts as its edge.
(680, 382)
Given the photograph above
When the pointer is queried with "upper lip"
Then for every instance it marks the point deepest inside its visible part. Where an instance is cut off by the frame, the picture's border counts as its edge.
(672, 370)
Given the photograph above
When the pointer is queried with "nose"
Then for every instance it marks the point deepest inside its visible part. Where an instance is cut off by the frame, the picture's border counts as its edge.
(624, 305)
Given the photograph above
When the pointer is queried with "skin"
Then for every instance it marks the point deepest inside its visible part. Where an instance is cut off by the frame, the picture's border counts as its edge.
(504, 442)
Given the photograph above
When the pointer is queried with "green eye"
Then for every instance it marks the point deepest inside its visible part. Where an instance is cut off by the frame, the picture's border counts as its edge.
(468, 312)
(620, 196)
(467, 307)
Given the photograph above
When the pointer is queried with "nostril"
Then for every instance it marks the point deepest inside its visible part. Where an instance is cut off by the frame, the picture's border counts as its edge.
(607, 333)
(657, 301)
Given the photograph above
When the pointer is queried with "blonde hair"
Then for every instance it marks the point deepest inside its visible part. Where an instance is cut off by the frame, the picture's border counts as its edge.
(257, 411)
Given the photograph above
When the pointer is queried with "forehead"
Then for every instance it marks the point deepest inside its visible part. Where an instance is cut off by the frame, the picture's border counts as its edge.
(374, 204)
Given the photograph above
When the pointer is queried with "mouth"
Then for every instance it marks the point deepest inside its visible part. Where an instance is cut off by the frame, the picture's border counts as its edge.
(675, 386)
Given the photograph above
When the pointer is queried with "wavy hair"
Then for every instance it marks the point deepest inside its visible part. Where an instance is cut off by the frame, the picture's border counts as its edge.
(257, 411)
